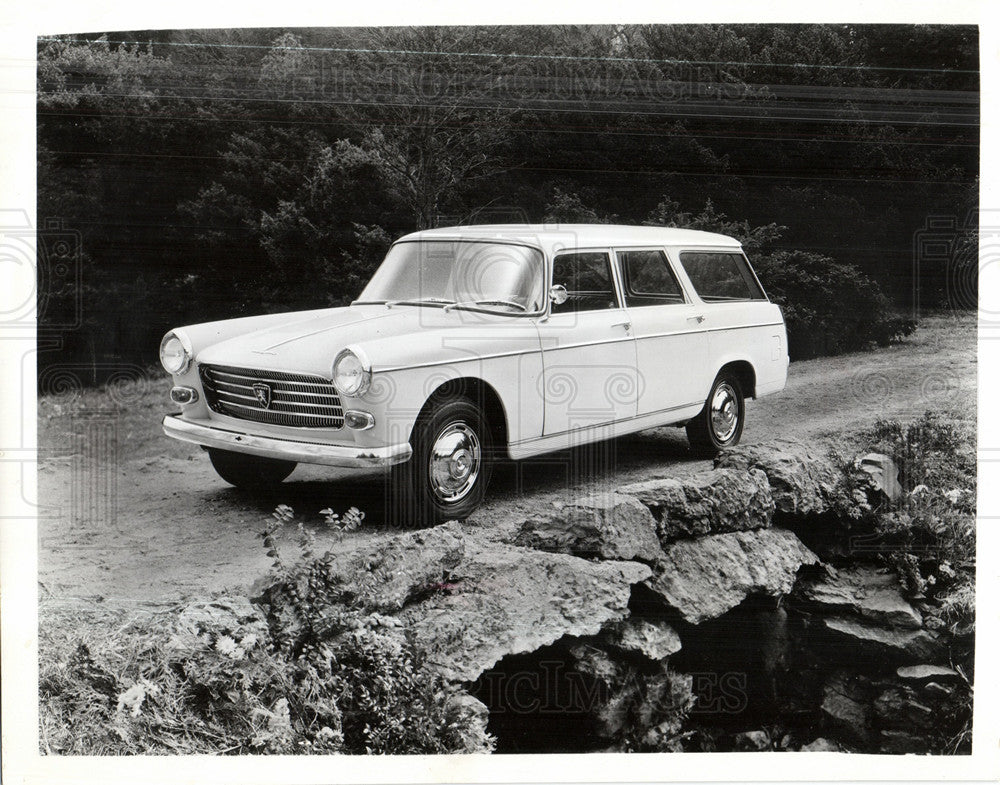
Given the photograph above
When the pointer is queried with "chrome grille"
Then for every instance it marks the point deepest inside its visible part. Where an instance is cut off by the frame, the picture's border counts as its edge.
(296, 399)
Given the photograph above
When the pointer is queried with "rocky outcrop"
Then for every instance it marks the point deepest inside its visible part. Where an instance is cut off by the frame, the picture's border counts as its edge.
(608, 526)
(803, 480)
(709, 503)
(705, 577)
(662, 595)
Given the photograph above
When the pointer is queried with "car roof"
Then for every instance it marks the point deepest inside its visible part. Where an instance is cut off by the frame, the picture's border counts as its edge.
(556, 237)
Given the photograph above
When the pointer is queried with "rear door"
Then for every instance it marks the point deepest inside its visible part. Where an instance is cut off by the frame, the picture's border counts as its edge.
(671, 344)
(587, 347)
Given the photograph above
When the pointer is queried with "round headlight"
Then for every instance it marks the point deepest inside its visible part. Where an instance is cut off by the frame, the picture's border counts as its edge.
(351, 376)
(174, 355)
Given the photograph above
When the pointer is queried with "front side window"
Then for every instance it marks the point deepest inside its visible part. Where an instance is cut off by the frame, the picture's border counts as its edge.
(721, 276)
(587, 278)
(491, 276)
(648, 278)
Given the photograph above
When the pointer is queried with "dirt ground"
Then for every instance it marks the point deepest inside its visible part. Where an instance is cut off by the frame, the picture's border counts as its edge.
(131, 516)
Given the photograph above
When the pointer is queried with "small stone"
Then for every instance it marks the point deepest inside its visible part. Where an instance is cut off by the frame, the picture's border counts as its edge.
(897, 708)
(927, 672)
(654, 639)
(751, 741)
(820, 745)
(901, 742)
(939, 691)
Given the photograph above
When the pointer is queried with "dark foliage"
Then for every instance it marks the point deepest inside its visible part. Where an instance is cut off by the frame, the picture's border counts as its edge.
(829, 308)
(201, 175)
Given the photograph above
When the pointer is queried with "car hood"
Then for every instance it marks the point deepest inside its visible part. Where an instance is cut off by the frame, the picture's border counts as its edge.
(308, 342)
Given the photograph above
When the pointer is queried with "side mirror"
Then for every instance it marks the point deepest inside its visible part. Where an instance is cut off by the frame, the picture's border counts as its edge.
(558, 294)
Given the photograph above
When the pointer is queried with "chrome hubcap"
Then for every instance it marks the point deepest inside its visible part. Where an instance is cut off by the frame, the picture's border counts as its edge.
(455, 462)
(725, 412)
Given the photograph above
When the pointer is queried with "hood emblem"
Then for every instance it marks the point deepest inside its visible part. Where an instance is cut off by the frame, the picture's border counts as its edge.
(262, 392)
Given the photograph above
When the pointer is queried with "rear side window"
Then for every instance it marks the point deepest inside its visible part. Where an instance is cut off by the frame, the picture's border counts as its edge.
(721, 276)
(648, 278)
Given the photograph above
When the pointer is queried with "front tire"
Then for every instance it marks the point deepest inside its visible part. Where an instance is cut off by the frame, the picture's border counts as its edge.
(720, 423)
(250, 472)
(452, 462)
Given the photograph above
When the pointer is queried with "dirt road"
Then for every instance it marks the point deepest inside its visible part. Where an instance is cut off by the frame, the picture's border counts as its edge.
(130, 515)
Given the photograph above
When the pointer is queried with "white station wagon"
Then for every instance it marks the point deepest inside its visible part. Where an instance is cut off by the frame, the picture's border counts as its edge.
(477, 343)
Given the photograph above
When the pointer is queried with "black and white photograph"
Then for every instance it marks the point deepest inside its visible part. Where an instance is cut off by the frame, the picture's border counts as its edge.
(601, 389)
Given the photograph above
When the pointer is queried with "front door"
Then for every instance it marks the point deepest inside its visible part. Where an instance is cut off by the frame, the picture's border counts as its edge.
(588, 351)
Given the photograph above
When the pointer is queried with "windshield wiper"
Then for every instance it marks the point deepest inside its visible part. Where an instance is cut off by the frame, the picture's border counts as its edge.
(419, 301)
(468, 303)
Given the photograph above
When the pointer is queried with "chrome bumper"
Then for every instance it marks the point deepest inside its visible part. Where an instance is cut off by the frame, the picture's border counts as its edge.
(283, 449)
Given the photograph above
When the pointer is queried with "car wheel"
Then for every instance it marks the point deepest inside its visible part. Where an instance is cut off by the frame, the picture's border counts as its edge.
(452, 462)
(720, 423)
(249, 472)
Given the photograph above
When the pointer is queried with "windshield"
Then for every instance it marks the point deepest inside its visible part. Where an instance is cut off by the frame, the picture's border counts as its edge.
(491, 276)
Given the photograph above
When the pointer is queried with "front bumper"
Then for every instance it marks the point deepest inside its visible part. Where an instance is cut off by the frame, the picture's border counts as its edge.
(284, 449)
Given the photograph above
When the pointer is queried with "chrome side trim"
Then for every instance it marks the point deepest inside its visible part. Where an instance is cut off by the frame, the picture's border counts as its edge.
(620, 421)
(353, 457)
(457, 361)
(709, 330)
(519, 352)
(529, 448)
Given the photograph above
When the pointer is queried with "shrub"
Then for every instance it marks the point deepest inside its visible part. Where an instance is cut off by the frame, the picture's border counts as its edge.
(829, 307)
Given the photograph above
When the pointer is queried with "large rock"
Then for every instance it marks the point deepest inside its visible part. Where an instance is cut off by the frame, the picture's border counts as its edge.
(386, 575)
(803, 480)
(708, 503)
(705, 577)
(609, 526)
(505, 600)
(866, 592)
(884, 474)
(889, 644)
(653, 639)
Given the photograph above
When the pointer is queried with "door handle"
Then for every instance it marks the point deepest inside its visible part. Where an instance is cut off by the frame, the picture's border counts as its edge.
(699, 318)
(626, 325)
